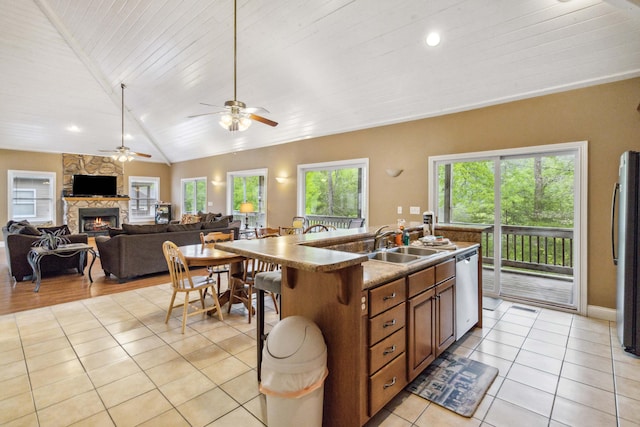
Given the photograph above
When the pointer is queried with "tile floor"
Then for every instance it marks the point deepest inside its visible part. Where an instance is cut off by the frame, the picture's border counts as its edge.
(111, 360)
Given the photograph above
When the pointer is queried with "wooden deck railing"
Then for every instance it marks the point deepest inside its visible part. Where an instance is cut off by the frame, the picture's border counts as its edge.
(336, 221)
(543, 249)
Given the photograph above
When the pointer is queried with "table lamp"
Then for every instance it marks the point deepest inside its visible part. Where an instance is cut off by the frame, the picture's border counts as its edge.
(245, 208)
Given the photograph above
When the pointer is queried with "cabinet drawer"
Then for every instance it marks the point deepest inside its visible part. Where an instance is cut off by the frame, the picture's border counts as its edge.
(386, 383)
(445, 270)
(386, 323)
(421, 281)
(386, 296)
(386, 350)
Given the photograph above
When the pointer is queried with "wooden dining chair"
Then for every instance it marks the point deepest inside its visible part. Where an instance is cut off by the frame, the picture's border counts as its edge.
(182, 282)
(211, 239)
(284, 231)
(263, 232)
(316, 228)
(299, 222)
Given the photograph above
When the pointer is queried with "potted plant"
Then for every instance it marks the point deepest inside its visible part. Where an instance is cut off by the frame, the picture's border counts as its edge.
(51, 240)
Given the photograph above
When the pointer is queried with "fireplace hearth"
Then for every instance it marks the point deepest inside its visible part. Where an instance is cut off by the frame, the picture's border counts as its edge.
(97, 221)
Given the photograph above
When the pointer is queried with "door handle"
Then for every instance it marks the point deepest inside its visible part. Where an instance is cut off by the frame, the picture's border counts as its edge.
(616, 189)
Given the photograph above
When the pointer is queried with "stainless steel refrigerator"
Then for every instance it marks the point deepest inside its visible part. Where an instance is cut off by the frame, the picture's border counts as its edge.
(625, 239)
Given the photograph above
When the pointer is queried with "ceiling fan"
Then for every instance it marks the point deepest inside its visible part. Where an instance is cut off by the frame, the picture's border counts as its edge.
(235, 115)
(122, 153)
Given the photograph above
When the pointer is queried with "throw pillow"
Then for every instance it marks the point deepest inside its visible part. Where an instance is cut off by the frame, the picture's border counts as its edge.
(50, 230)
(22, 227)
(144, 229)
(221, 223)
(189, 219)
(184, 227)
(115, 231)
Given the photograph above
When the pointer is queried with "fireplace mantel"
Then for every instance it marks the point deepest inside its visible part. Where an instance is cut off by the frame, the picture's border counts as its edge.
(72, 204)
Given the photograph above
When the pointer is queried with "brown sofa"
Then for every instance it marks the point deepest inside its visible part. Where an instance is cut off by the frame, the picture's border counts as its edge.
(18, 243)
(136, 250)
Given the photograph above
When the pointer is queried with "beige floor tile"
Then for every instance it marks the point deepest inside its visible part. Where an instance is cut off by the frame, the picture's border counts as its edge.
(544, 348)
(156, 356)
(549, 337)
(587, 395)
(39, 336)
(258, 407)
(132, 335)
(54, 357)
(170, 371)
(483, 407)
(629, 409)
(385, 418)
(55, 373)
(407, 406)
(591, 336)
(225, 370)
(191, 344)
(539, 361)
(90, 347)
(16, 406)
(527, 397)
(101, 419)
(208, 407)
(519, 319)
(116, 392)
(435, 415)
(140, 409)
(110, 373)
(71, 410)
(12, 370)
(171, 418)
(145, 344)
(14, 386)
(589, 360)
(574, 414)
(506, 338)
(505, 414)
(503, 365)
(103, 358)
(558, 317)
(591, 324)
(220, 334)
(88, 335)
(11, 356)
(43, 347)
(628, 388)
(588, 376)
(242, 388)
(237, 417)
(187, 387)
(76, 328)
(61, 390)
(498, 350)
(29, 420)
(602, 350)
(512, 328)
(236, 344)
(627, 370)
(207, 356)
(533, 377)
(556, 328)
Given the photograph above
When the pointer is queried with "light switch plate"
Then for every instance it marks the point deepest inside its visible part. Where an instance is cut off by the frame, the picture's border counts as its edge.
(414, 210)
(399, 209)
(209, 204)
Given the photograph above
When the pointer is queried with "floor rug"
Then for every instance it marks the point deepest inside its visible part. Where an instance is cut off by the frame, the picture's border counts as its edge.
(490, 304)
(454, 382)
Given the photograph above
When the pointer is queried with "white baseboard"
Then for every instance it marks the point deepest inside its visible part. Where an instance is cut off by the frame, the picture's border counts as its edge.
(602, 313)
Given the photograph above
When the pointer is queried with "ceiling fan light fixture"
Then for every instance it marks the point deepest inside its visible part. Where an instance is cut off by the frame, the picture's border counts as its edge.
(234, 122)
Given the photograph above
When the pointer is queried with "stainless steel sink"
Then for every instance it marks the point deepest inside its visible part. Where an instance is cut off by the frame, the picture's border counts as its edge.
(394, 257)
(415, 250)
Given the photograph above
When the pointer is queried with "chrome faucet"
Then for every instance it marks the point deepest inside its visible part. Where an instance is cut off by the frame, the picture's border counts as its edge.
(379, 236)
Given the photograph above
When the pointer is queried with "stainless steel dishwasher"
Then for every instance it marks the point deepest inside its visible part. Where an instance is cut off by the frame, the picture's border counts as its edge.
(466, 292)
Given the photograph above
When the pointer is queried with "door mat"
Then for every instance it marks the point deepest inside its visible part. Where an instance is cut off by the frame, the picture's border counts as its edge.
(490, 304)
(454, 382)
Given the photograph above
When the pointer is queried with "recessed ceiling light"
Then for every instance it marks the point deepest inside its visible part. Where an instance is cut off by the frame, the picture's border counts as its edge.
(433, 39)
(73, 128)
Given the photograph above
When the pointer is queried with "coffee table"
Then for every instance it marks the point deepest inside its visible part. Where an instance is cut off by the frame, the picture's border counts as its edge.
(63, 251)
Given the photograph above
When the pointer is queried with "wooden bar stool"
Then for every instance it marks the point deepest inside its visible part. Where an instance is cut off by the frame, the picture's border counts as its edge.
(266, 281)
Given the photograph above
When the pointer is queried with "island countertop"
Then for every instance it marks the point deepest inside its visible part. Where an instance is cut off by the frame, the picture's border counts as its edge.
(304, 252)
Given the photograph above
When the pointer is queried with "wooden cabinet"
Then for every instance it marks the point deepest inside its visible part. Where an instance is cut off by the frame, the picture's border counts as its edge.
(386, 341)
(430, 315)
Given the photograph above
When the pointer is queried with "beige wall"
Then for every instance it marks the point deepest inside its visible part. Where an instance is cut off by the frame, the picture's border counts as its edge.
(604, 115)
(47, 162)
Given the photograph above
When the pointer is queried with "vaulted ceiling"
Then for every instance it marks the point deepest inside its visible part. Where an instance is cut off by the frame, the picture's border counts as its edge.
(319, 67)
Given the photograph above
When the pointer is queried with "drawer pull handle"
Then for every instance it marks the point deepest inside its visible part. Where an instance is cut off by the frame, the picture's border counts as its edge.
(387, 324)
(391, 384)
(389, 350)
(387, 297)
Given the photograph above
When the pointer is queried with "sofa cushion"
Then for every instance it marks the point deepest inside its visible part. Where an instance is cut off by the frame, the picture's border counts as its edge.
(51, 230)
(144, 229)
(115, 231)
(209, 216)
(184, 227)
(22, 227)
(220, 223)
(189, 219)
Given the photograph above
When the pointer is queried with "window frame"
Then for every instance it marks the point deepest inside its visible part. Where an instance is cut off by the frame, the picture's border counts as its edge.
(12, 174)
(337, 164)
(261, 209)
(195, 204)
(153, 180)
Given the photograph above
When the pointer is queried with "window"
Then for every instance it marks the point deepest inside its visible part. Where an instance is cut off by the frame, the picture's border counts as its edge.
(144, 192)
(31, 196)
(337, 190)
(248, 186)
(194, 195)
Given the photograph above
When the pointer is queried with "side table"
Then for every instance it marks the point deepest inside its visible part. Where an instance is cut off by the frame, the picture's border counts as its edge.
(64, 251)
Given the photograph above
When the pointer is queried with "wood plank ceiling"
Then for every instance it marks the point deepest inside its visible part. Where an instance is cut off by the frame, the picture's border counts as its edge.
(319, 67)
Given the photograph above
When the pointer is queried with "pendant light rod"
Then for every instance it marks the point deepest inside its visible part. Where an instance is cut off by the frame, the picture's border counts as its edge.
(122, 114)
(235, 50)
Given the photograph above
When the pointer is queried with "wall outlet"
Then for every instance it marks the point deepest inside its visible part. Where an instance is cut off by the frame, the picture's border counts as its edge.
(414, 210)
(399, 209)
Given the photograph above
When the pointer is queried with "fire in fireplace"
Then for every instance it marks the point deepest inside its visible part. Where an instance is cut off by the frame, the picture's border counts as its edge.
(97, 221)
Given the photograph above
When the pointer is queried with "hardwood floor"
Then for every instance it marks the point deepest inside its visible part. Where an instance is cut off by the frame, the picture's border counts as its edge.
(63, 287)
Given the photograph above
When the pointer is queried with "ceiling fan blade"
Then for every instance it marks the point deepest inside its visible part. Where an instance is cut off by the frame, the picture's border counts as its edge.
(140, 154)
(203, 114)
(263, 120)
(253, 110)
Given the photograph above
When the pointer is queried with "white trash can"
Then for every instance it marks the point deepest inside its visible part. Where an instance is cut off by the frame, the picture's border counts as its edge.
(294, 367)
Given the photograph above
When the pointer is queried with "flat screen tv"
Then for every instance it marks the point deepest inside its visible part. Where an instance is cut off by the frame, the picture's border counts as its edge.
(95, 185)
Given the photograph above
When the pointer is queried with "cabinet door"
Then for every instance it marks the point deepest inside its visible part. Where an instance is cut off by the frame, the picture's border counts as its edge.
(420, 336)
(446, 315)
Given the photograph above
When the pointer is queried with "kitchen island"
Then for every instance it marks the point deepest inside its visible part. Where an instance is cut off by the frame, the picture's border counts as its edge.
(333, 288)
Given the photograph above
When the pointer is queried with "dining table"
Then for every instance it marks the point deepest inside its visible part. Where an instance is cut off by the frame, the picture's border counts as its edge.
(199, 255)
